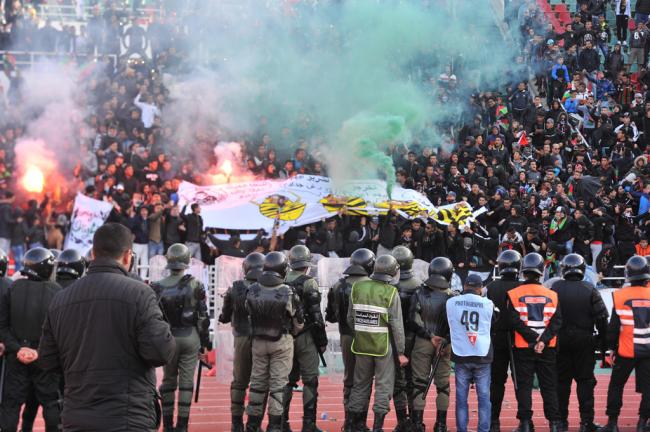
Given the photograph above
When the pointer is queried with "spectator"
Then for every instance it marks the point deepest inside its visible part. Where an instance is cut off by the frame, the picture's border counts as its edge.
(193, 229)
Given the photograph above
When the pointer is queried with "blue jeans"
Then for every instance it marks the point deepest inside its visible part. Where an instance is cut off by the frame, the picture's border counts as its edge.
(481, 374)
(18, 251)
(155, 249)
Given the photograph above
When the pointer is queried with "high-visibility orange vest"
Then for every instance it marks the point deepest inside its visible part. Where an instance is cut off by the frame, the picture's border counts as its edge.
(536, 306)
(632, 305)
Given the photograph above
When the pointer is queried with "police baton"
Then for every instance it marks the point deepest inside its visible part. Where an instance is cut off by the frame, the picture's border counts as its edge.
(434, 368)
(513, 371)
(322, 358)
(3, 359)
(202, 365)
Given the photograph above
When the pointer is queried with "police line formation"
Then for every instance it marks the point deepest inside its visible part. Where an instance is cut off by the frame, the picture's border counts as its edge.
(401, 337)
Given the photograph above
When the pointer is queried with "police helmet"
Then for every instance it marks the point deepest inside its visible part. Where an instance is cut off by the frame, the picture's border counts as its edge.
(276, 262)
(404, 258)
(253, 265)
(299, 257)
(385, 269)
(4, 263)
(637, 269)
(178, 257)
(38, 264)
(573, 265)
(473, 282)
(70, 262)
(441, 269)
(509, 262)
(362, 262)
(533, 264)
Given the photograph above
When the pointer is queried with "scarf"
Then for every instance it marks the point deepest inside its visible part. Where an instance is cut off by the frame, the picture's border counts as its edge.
(555, 226)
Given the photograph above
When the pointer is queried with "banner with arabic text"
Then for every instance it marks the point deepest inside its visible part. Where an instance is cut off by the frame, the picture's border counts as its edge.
(306, 199)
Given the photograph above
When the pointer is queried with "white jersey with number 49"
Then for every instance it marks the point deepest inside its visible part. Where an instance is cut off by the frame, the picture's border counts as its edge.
(470, 320)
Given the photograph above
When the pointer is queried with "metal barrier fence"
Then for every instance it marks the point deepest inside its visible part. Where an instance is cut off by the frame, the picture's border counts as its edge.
(26, 59)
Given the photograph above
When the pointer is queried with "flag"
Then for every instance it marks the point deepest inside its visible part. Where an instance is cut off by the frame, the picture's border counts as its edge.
(523, 140)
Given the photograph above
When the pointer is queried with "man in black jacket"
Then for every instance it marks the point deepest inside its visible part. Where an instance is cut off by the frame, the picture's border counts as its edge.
(193, 229)
(107, 334)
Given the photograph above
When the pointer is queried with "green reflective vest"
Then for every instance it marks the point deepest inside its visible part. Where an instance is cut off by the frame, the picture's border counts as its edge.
(370, 302)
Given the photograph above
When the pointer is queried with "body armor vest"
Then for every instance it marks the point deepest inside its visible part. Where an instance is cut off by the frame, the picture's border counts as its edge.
(239, 321)
(344, 303)
(177, 303)
(406, 289)
(268, 311)
(432, 304)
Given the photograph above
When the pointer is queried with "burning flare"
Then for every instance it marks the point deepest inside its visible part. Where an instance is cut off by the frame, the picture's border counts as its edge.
(226, 167)
(33, 179)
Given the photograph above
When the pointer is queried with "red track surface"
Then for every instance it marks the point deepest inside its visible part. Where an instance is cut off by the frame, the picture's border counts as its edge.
(212, 413)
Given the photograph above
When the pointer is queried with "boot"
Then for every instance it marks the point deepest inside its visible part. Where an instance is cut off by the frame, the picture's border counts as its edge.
(309, 425)
(611, 426)
(417, 421)
(348, 423)
(524, 426)
(440, 427)
(275, 423)
(287, 395)
(237, 424)
(253, 424)
(563, 426)
(589, 426)
(358, 421)
(378, 425)
(402, 421)
(181, 424)
(642, 425)
(495, 426)
(168, 423)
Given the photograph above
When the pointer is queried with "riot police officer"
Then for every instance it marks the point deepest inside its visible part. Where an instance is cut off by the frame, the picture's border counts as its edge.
(508, 264)
(234, 312)
(4, 264)
(375, 315)
(23, 309)
(362, 262)
(536, 319)
(627, 335)
(70, 266)
(275, 314)
(311, 340)
(582, 308)
(407, 285)
(427, 318)
(182, 299)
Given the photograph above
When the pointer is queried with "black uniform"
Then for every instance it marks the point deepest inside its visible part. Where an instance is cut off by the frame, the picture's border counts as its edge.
(582, 308)
(65, 281)
(497, 291)
(23, 309)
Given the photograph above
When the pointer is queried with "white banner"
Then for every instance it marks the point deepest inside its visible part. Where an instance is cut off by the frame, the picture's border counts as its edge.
(306, 199)
(87, 216)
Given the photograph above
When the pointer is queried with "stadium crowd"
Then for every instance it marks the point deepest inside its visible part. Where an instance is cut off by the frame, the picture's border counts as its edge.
(560, 162)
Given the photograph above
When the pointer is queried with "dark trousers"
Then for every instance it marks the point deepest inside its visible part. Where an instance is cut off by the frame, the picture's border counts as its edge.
(500, 365)
(620, 373)
(621, 28)
(528, 364)
(18, 379)
(575, 361)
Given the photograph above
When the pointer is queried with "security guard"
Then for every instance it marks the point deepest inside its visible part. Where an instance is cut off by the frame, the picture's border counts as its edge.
(311, 340)
(427, 317)
(22, 312)
(536, 319)
(582, 308)
(509, 265)
(407, 285)
(182, 299)
(375, 315)
(470, 317)
(234, 312)
(362, 262)
(628, 335)
(70, 266)
(275, 314)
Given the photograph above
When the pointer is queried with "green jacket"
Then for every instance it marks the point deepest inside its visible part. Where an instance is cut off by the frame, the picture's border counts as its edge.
(375, 314)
